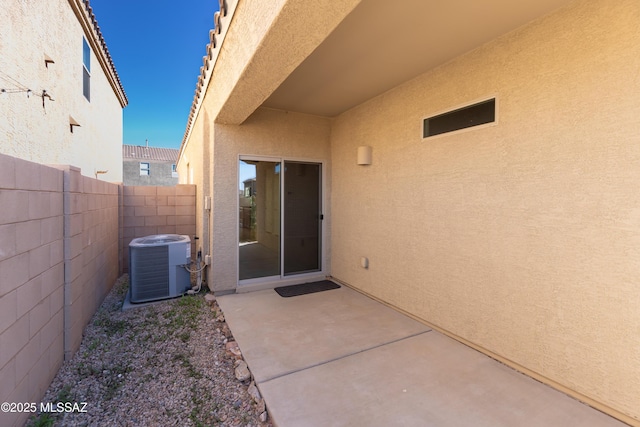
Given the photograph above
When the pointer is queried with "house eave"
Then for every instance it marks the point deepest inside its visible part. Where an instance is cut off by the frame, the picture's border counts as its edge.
(87, 19)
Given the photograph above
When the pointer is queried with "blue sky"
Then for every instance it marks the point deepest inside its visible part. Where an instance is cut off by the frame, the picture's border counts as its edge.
(157, 47)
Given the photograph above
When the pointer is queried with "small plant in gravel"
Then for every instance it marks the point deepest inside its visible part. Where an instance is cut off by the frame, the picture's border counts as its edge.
(185, 312)
(196, 412)
(48, 420)
(184, 361)
(42, 420)
(112, 384)
(121, 288)
(65, 395)
(110, 326)
(85, 371)
(94, 345)
(184, 336)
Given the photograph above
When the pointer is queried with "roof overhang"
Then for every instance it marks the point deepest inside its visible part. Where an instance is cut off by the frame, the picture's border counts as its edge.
(87, 20)
(382, 44)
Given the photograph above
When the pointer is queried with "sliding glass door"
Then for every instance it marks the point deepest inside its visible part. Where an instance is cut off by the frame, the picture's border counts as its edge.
(275, 196)
(302, 217)
(259, 206)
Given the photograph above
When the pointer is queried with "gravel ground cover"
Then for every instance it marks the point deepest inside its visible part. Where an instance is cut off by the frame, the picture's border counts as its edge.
(164, 364)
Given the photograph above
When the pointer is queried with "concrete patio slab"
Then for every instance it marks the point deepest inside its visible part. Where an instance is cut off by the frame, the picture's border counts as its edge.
(426, 380)
(339, 358)
(279, 335)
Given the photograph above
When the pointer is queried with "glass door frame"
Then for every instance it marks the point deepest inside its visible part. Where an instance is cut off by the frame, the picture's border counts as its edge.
(290, 279)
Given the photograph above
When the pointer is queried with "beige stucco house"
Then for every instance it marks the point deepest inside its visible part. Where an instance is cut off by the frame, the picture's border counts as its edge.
(473, 164)
(54, 52)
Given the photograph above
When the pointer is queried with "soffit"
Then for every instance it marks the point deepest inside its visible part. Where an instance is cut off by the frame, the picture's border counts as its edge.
(382, 44)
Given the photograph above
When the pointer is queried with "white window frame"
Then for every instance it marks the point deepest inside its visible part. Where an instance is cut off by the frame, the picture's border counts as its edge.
(145, 168)
(86, 70)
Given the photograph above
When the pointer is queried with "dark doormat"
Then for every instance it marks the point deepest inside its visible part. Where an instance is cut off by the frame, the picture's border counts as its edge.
(306, 288)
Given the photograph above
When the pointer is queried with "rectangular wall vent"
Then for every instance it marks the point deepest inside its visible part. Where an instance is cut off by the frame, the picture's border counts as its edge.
(462, 118)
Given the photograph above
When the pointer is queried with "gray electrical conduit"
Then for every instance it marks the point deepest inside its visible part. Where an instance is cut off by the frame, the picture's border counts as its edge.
(198, 286)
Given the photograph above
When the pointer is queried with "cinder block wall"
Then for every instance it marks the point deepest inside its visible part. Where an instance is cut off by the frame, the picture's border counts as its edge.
(31, 281)
(59, 246)
(91, 249)
(64, 240)
(151, 210)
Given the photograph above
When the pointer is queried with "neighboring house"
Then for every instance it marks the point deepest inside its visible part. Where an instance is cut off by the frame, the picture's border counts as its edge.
(149, 165)
(61, 99)
(474, 164)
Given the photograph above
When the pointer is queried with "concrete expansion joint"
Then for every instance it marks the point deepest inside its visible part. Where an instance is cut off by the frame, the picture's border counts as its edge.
(275, 377)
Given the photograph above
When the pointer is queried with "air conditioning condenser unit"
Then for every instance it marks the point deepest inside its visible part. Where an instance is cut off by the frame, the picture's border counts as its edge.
(156, 267)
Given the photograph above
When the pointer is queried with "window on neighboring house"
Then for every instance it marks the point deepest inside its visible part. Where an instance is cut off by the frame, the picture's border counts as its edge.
(174, 171)
(144, 169)
(86, 69)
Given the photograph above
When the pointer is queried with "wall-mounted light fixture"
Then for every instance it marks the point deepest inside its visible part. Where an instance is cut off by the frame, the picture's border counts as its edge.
(365, 155)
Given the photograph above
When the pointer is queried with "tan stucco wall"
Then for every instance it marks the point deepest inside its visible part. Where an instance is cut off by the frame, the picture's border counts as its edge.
(521, 238)
(254, 49)
(265, 42)
(265, 133)
(30, 30)
(195, 167)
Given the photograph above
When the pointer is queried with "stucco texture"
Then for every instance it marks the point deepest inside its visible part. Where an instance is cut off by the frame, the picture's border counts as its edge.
(196, 167)
(160, 173)
(266, 133)
(30, 30)
(255, 52)
(521, 238)
(266, 42)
